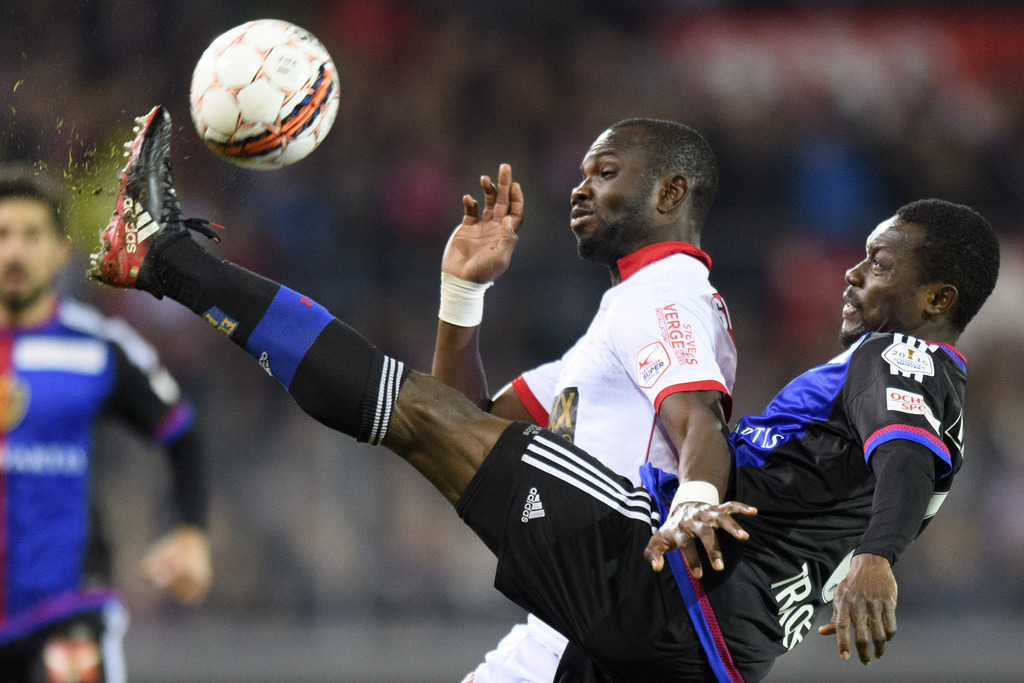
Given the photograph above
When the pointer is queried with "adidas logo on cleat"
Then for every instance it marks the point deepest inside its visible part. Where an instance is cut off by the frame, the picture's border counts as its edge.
(147, 214)
(533, 508)
(140, 225)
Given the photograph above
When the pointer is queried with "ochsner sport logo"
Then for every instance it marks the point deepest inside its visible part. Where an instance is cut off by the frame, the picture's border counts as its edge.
(140, 224)
(904, 401)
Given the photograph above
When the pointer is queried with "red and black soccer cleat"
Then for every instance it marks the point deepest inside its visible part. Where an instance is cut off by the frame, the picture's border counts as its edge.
(147, 215)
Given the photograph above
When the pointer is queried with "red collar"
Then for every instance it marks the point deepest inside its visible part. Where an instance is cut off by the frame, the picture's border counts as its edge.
(645, 256)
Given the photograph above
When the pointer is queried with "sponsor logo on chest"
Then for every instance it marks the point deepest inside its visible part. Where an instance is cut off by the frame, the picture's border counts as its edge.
(47, 459)
(677, 334)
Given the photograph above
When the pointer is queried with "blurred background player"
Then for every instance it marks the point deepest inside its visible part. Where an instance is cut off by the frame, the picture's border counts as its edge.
(648, 380)
(63, 367)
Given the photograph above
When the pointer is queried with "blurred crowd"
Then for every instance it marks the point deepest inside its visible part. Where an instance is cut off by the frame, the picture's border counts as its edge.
(825, 121)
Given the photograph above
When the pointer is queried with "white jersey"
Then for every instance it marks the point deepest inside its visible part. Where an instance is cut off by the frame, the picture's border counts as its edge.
(663, 329)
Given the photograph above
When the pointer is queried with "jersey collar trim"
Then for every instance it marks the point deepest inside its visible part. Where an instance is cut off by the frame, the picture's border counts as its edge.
(645, 256)
(955, 355)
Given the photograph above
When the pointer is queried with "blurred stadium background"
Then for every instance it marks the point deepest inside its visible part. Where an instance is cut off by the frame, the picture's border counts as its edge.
(333, 561)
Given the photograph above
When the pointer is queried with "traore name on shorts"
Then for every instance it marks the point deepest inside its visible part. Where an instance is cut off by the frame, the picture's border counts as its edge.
(795, 616)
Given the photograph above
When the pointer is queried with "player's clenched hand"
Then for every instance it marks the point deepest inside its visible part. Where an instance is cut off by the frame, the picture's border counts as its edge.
(179, 564)
(864, 604)
(481, 247)
(688, 523)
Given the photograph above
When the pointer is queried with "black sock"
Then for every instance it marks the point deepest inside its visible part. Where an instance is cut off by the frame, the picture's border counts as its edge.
(331, 371)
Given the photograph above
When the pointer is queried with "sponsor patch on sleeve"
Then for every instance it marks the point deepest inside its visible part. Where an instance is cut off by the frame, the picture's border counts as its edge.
(909, 360)
(903, 401)
(651, 363)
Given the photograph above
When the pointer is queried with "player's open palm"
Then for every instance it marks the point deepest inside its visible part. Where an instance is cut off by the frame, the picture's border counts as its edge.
(480, 249)
(692, 523)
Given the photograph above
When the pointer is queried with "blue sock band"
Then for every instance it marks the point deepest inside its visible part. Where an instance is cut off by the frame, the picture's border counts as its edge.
(284, 334)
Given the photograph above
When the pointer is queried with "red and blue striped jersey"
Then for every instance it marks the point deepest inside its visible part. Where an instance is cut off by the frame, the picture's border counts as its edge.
(56, 381)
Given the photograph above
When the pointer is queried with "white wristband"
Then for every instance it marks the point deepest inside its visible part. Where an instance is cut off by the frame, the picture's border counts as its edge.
(696, 492)
(462, 302)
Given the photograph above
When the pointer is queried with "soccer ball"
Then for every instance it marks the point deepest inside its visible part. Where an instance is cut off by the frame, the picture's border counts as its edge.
(264, 94)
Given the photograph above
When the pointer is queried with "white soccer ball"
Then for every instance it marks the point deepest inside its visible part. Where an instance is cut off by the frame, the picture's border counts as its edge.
(264, 94)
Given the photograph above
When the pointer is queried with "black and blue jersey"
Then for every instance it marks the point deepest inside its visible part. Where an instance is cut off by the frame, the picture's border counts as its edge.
(805, 464)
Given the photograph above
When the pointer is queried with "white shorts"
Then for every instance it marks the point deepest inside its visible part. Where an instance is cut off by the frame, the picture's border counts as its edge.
(528, 654)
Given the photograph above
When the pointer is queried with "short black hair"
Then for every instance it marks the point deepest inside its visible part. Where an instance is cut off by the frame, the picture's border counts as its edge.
(959, 248)
(30, 182)
(668, 147)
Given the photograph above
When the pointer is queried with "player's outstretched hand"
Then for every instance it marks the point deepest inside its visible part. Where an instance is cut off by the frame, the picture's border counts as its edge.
(179, 564)
(481, 247)
(864, 605)
(689, 522)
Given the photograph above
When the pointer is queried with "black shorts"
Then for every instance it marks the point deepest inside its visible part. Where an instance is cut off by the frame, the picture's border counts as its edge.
(569, 535)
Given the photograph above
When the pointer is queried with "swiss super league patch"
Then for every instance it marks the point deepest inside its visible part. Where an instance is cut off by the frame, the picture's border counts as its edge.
(651, 363)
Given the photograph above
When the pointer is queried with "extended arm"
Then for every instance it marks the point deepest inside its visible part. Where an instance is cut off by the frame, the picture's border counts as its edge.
(864, 605)
(149, 399)
(696, 424)
(179, 563)
(477, 253)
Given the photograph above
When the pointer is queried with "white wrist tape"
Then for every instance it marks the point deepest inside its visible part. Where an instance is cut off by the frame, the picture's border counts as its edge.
(462, 302)
(696, 492)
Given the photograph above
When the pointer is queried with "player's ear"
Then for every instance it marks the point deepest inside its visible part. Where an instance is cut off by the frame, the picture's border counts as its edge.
(673, 192)
(941, 299)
